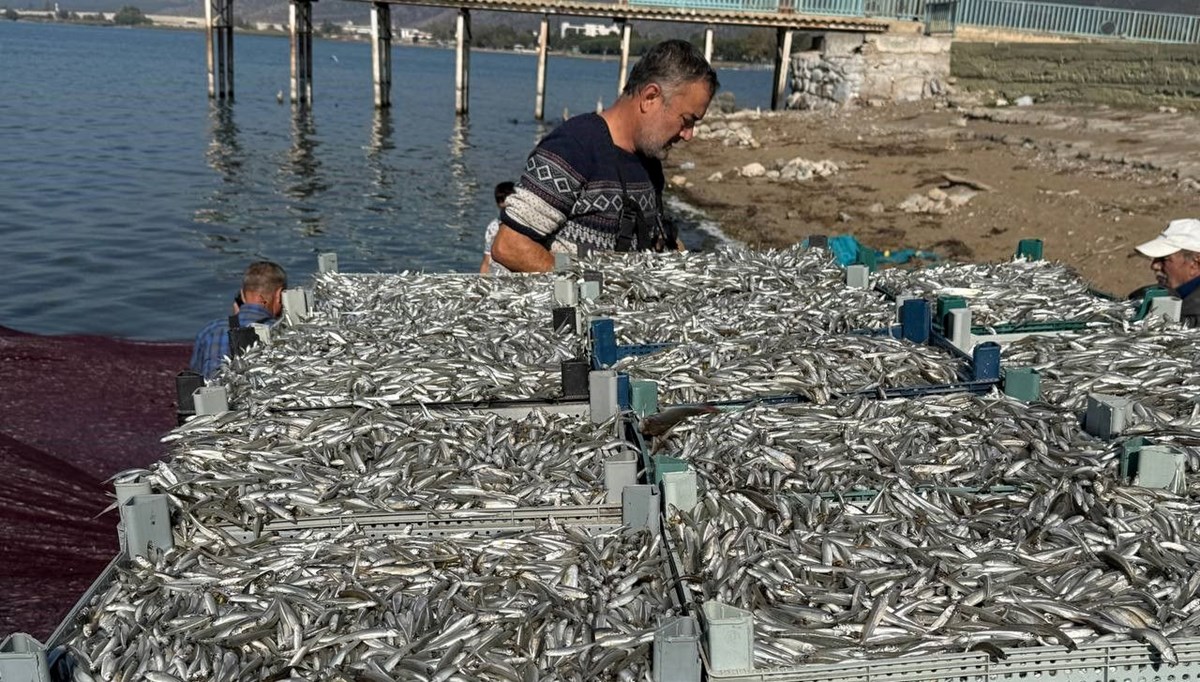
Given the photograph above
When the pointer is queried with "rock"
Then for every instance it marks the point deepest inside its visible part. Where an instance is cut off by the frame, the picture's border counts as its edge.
(960, 122)
(716, 177)
(687, 165)
(960, 180)
(752, 170)
(845, 217)
(876, 103)
(913, 204)
(1024, 101)
(876, 207)
(959, 196)
(1168, 110)
(1001, 102)
(772, 175)
(724, 103)
(678, 180)
(936, 194)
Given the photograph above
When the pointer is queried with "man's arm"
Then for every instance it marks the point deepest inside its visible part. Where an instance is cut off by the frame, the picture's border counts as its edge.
(519, 253)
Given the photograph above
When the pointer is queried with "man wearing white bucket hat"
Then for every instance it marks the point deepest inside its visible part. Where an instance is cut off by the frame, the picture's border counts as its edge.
(1175, 260)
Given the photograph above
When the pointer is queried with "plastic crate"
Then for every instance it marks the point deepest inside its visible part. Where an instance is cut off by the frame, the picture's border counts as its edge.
(507, 408)
(480, 521)
(677, 651)
(729, 638)
(23, 659)
(1124, 662)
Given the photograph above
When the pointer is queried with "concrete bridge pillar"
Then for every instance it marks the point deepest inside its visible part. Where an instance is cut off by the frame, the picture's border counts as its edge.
(708, 44)
(218, 38)
(626, 31)
(381, 53)
(300, 30)
(783, 58)
(462, 61)
(539, 107)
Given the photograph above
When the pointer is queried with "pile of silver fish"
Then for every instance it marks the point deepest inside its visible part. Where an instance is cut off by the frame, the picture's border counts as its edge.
(379, 340)
(1151, 363)
(916, 573)
(731, 292)
(869, 529)
(863, 444)
(545, 604)
(242, 470)
(1010, 293)
(815, 368)
(853, 527)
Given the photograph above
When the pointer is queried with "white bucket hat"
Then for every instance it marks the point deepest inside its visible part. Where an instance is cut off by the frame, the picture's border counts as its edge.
(1180, 235)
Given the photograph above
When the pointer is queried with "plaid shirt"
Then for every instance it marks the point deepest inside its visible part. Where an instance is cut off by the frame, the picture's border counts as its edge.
(212, 343)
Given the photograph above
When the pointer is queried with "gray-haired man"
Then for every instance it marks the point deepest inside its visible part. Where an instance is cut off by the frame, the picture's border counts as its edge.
(595, 183)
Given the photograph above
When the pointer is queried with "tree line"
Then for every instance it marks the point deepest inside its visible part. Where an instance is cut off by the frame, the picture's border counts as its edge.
(126, 16)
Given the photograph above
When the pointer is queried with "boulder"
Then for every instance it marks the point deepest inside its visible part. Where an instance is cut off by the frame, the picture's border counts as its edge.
(752, 170)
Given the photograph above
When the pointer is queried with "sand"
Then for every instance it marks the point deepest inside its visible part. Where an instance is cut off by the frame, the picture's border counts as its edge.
(1091, 182)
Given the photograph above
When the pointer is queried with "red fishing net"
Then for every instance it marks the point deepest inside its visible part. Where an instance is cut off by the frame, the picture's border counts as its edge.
(74, 410)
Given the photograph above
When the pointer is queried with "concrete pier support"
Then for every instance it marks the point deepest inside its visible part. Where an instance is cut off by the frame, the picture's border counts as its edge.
(783, 58)
(300, 30)
(381, 53)
(218, 35)
(708, 44)
(539, 107)
(462, 73)
(626, 32)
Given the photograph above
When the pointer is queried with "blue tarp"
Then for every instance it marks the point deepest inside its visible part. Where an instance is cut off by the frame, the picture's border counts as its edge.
(847, 251)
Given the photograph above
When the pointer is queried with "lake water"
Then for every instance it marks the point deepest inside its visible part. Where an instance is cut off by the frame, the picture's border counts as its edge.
(130, 203)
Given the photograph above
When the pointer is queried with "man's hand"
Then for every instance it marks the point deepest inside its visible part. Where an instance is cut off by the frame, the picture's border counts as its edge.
(519, 253)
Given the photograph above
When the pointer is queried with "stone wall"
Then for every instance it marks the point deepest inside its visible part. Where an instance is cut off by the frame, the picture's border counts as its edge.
(1114, 72)
(840, 69)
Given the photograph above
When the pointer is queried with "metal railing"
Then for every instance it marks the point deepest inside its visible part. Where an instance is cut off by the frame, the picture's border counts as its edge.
(1048, 17)
(941, 17)
(1017, 15)
(912, 10)
(726, 5)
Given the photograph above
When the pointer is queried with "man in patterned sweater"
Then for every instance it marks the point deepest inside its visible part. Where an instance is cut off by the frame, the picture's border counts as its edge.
(595, 183)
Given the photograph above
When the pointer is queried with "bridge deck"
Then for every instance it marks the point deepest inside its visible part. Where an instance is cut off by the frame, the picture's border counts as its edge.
(776, 19)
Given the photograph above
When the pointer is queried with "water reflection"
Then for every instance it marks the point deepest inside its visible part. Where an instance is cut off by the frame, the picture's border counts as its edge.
(302, 173)
(225, 156)
(540, 130)
(465, 185)
(381, 133)
(224, 150)
(377, 151)
(302, 166)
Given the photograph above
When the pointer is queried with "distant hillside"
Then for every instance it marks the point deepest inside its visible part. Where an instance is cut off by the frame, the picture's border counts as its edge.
(409, 15)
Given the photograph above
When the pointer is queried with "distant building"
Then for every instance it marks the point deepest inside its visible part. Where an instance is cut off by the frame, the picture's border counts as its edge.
(588, 30)
(413, 35)
(406, 35)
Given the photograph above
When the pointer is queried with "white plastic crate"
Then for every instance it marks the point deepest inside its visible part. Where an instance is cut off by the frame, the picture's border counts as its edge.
(1123, 662)
(23, 659)
(481, 521)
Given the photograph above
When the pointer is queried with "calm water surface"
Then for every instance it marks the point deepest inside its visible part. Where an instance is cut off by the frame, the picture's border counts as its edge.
(130, 203)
